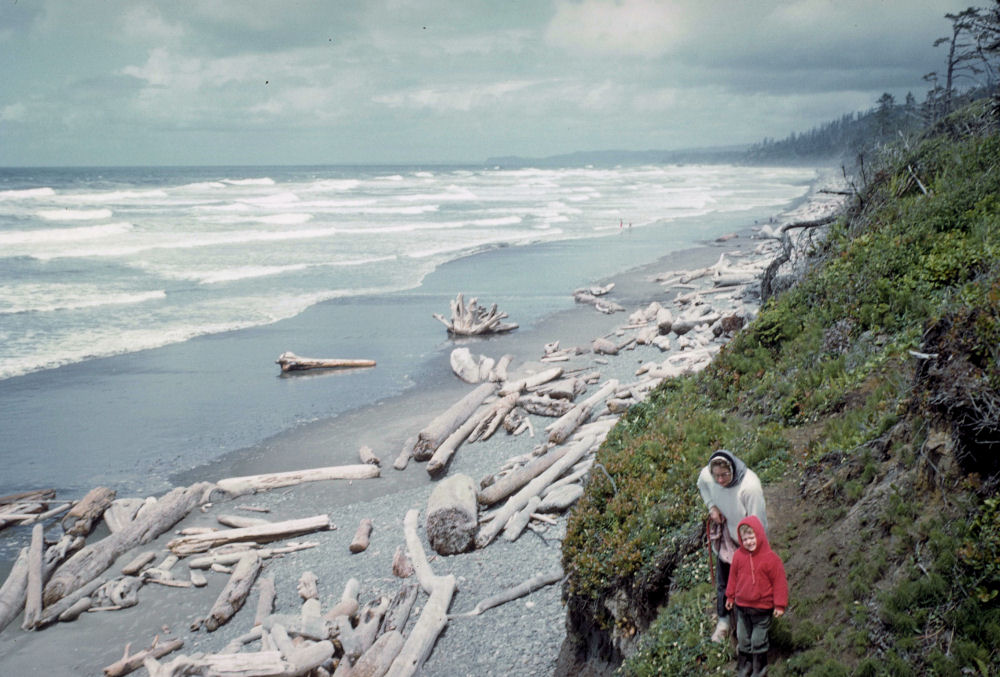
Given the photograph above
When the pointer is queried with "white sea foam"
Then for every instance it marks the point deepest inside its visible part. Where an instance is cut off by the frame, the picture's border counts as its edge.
(51, 298)
(203, 185)
(266, 181)
(73, 214)
(26, 194)
(51, 235)
(112, 196)
(285, 219)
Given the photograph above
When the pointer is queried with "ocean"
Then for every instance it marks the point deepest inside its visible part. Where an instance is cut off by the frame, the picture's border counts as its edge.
(142, 309)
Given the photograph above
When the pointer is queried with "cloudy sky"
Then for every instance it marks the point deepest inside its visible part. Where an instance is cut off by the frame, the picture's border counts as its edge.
(145, 82)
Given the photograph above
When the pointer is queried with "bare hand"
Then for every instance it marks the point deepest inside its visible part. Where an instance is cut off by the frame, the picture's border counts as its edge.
(778, 613)
(729, 605)
(716, 515)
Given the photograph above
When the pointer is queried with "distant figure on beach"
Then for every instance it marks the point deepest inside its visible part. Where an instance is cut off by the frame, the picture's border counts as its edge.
(621, 223)
(731, 491)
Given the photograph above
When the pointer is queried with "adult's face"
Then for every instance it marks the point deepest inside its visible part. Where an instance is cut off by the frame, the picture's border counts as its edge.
(722, 475)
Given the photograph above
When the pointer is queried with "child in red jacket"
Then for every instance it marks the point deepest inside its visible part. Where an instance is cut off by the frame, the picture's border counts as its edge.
(759, 591)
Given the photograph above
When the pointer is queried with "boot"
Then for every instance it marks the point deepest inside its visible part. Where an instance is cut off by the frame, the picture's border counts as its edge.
(759, 664)
(721, 630)
(744, 664)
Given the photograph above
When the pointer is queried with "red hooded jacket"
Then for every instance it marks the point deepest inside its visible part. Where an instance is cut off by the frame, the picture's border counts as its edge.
(757, 579)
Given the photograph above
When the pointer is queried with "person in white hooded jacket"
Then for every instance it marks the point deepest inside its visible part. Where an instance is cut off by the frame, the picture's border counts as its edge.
(731, 491)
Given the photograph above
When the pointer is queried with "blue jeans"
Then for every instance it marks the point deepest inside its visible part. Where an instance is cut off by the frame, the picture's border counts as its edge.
(752, 626)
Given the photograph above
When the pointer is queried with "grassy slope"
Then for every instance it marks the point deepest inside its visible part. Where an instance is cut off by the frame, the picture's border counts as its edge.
(880, 466)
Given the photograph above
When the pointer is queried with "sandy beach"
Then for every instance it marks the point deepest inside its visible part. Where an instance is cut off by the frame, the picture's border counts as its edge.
(522, 637)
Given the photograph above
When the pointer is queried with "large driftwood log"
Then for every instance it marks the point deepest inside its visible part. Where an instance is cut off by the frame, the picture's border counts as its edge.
(562, 428)
(531, 382)
(494, 417)
(511, 482)
(534, 583)
(92, 560)
(81, 517)
(470, 368)
(262, 533)
(233, 556)
(439, 460)
(434, 616)
(238, 486)
(121, 512)
(519, 500)
(376, 661)
(14, 590)
(130, 662)
(438, 430)
(235, 592)
(292, 362)
(399, 609)
(36, 573)
(452, 515)
(473, 320)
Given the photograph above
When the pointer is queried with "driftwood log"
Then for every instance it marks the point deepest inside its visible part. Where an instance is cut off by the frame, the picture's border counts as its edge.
(292, 362)
(235, 592)
(519, 500)
(438, 430)
(473, 320)
(14, 589)
(92, 560)
(187, 545)
(511, 482)
(130, 662)
(434, 616)
(360, 541)
(238, 486)
(81, 517)
(527, 587)
(452, 515)
(439, 460)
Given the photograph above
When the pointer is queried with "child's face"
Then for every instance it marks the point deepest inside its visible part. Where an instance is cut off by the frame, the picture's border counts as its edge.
(749, 539)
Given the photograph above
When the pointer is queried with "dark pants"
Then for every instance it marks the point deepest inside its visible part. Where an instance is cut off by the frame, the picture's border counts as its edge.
(721, 580)
(752, 626)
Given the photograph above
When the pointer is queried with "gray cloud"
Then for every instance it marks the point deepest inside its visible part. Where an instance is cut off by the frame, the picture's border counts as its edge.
(309, 81)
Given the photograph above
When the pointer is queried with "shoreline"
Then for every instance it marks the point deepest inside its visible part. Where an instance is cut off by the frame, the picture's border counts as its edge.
(530, 629)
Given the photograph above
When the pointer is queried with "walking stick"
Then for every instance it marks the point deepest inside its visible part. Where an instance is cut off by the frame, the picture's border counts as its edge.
(708, 542)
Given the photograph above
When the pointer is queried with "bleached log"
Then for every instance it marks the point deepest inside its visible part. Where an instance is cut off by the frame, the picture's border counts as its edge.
(499, 372)
(31, 496)
(531, 382)
(235, 591)
(603, 346)
(237, 486)
(560, 499)
(14, 590)
(55, 612)
(360, 541)
(197, 578)
(369, 622)
(493, 417)
(229, 664)
(489, 531)
(399, 609)
(73, 612)
(434, 617)
(536, 582)
(512, 482)
(33, 599)
(187, 545)
(130, 662)
(121, 512)
(376, 661)
(402, 567)
(519, 520)
(216, 558)
(452, 515)
(368, 456)
(265, 599)
(138, 562)
(93, 559)
(239, 521)
(439, 460)
(81, 517)
(438, 430)
(403, 459)
(561, 429)
(307, 586)
(25, 520)
(292, 362)
(468, 367)
(348, 604)
(544, 406)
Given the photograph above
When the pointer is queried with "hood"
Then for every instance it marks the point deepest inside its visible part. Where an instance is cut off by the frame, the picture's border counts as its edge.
(758, 529)
(738, 466)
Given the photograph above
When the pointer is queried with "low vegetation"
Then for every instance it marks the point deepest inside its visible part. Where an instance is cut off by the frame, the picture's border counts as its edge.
(867, 397)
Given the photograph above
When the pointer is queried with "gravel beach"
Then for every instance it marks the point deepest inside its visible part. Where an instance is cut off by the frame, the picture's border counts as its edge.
(522, 637)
